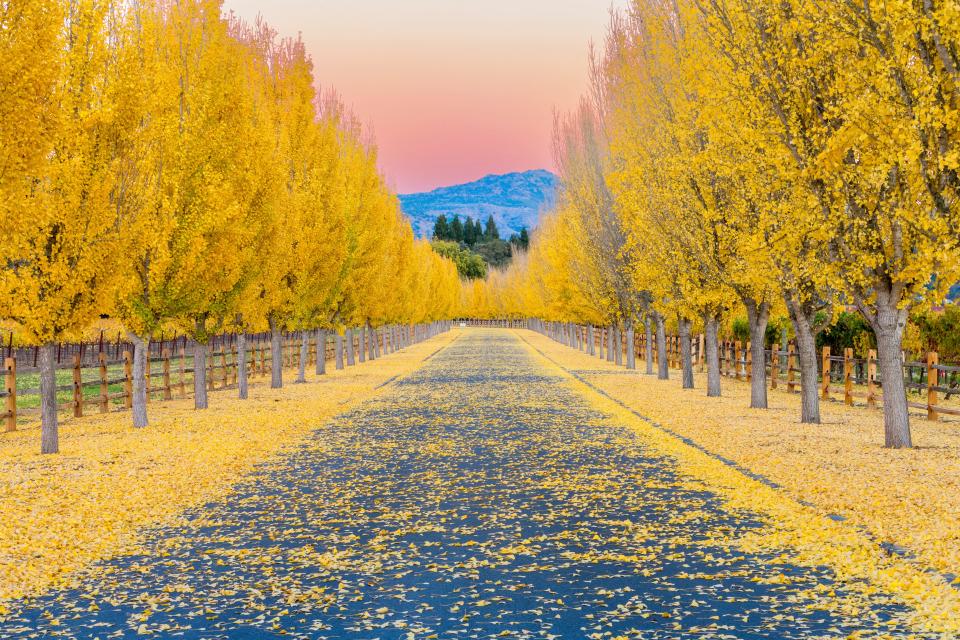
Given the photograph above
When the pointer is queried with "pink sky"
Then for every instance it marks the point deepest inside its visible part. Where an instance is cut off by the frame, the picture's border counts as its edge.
(453, 89)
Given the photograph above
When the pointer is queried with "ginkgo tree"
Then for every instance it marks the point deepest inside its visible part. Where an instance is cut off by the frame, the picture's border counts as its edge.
(60, 231)
(174, 168)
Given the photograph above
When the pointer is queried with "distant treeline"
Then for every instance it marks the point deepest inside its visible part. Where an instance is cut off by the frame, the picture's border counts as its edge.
(474, 246)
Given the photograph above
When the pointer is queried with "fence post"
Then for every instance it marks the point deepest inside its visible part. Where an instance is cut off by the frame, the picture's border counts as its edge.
(736, 358)
(128, 380)
(872, 378)
(104, 384)
(10, 364)
(183, 371)
(235, 367)
(167, 393)
(933, 380)
(77, 388)
(848, 376)
(791, 365)
(774, 365)
(825, 365)
(749, 362)
(225, 374)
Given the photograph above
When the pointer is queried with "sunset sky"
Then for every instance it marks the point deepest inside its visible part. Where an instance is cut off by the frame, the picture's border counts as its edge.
(453, 89)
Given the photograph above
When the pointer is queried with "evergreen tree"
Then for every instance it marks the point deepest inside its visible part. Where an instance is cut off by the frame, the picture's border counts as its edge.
(441, 230)
(524, 239)
(491, 233)
(456, 229)
(470, 232)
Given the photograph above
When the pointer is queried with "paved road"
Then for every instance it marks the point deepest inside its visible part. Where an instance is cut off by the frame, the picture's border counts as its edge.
(479, 498)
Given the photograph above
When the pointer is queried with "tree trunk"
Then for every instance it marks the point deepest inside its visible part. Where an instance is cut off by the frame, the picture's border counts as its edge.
(758, 314)
(807, 352)
(338, 348)
(686, 353)
(631, 347)
(896, 419)
(242, 366)
(663, 367)
(276, 356)
(321, 352)
(49, 429)
(304, 354)
(618, 345)
(712, 348)
(648, 346)
(610, 354)
(372, 344)
(363, 344)
(199, 375)
(351, 353)
(784, 340)
(591, 344)
(140, 363)
(888, 323)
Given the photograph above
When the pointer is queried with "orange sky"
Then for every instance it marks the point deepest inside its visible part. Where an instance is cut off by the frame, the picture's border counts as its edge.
(453, 89)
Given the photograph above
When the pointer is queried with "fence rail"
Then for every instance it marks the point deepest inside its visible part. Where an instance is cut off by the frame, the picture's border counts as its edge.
(98, 376)
(839, 376)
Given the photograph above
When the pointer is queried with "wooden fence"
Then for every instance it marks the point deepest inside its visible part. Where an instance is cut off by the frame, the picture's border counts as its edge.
(97, 377)
(847, 377)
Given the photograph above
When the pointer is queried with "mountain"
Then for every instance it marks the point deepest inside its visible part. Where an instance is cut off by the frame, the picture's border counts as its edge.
(515, 200)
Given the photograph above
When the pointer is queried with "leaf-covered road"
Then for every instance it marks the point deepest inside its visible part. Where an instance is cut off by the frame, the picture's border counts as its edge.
(479, 497)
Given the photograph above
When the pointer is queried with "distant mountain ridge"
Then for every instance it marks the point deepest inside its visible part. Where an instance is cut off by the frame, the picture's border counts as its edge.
(514, 199)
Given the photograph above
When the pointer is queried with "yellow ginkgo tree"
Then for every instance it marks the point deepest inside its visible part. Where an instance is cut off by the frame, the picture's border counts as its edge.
(60, 225)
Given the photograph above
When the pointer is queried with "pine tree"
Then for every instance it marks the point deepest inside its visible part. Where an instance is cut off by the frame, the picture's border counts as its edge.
(491, 232)
(441, 230)
(456, 229)
(524, 238)
(470, 232)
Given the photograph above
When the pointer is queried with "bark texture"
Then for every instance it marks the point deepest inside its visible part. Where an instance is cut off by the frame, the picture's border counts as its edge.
(631, 347)
(338, 349)
(321, 352)
(140, 363)
(242, 384)
(304, 354)
(362, 355)
(888, 322)
(758, 314)
(807, 355)
(618, 345)
(712, 348)
(663, 367)
(199, 375)
(49, 428)
(351, 353)
(686, 352)
(648, 347)
(276, 357)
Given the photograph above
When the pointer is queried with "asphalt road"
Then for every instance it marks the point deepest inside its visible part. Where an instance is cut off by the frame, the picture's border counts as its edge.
(479, 497)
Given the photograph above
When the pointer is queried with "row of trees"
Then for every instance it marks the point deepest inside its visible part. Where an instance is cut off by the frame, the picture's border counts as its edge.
(474, 247)
(470, 232)
(174, 168)
(740, 157)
